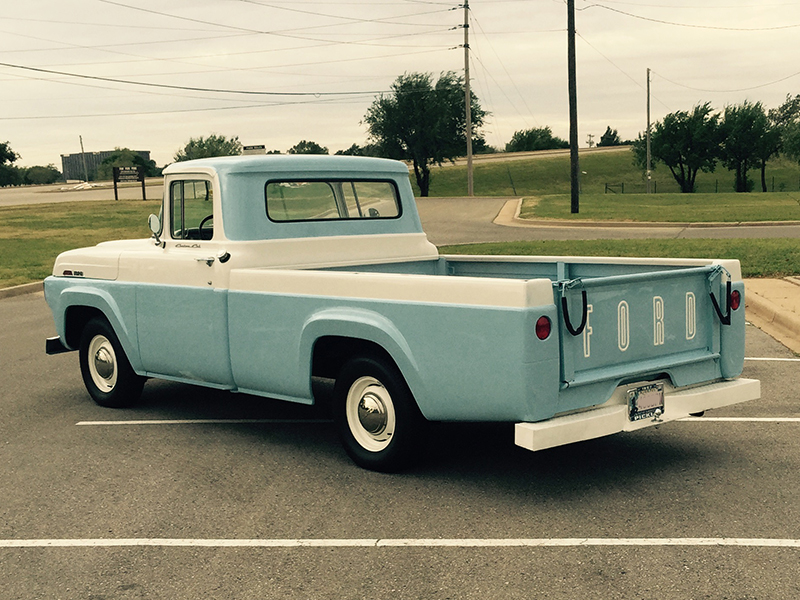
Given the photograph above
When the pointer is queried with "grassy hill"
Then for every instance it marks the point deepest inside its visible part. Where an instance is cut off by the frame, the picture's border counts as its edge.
(544, 174)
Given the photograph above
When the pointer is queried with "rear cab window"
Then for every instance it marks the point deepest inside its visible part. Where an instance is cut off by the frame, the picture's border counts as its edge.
(319, 200)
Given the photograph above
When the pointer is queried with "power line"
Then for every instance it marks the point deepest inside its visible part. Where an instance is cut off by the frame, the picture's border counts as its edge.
(90, 24)
(633, 79)
(690, 25)
(245, 29)
(746, 89)
(513, 82)
(176, 111)
(187, 88)
(270, 68)
(705, 5)
(385, 20)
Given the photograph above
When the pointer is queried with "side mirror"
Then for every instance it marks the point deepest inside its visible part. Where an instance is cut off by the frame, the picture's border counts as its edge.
(155, 226)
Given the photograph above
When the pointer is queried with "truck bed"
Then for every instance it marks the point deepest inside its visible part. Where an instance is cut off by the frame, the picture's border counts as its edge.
(643, 319)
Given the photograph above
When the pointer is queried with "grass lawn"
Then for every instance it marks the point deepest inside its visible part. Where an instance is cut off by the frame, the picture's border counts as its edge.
(545, 175)
(695, 208)
(775, 257)
(32, 236)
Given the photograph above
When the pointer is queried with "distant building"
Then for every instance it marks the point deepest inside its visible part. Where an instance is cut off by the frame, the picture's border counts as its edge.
(72, 164)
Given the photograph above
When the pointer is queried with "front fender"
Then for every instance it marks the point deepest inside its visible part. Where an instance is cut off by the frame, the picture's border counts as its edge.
(64, 294)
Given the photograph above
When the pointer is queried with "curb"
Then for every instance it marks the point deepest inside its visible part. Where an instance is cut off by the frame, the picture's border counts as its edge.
(21, 290)
(779, 323)
(509, 216)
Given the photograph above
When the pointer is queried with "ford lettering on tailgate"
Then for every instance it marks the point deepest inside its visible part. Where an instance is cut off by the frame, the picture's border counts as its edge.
(634, 320)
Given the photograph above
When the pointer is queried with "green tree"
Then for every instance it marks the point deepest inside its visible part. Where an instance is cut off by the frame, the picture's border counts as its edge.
(307, 147)
(356, 150)
(424, 122)
(744, 128)
(9, 174)
(768, 146)
(786, 113)
(786, 119)
(213, 145)
(538, 138)
(125, 157)
(791, 140)
(38, 175)
(687, 142)
(609, 138)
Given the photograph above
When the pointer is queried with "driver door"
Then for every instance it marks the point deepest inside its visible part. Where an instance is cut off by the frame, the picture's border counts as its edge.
(181, 295)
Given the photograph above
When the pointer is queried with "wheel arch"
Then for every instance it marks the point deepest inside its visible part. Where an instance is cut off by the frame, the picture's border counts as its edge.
(79, 306)
(330, 338)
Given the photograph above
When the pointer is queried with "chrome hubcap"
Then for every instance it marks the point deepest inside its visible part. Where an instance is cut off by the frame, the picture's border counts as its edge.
(372, 414)
(104, 363)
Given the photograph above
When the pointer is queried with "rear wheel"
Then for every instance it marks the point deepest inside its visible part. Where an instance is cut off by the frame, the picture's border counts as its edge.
(378, 421)
(107, 373)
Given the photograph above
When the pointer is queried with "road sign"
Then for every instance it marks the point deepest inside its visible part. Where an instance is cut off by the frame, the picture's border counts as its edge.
(128, 174)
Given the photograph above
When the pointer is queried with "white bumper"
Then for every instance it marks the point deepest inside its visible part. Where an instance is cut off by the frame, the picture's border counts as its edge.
(610, 419)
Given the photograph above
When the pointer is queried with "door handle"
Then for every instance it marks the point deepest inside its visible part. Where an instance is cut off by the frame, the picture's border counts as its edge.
(222, 257)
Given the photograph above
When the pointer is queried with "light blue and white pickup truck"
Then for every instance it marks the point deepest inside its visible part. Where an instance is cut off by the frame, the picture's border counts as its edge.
(264, 272)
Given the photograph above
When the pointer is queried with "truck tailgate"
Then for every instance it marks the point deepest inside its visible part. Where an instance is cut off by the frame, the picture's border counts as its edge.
(625, 328)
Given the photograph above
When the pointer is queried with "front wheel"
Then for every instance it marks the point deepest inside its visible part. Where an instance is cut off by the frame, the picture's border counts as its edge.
(378, 421)
(107, 374)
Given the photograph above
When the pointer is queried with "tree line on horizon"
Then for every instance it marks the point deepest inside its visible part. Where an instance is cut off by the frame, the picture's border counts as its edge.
(422, 121)
(742, 137)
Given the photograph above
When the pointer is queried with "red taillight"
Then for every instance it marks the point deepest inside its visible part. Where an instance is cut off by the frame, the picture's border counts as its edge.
(736, 300)
(543, 328)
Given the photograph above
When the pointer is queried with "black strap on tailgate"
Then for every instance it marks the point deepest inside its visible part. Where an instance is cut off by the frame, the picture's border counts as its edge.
(565, 285)
(725, 319)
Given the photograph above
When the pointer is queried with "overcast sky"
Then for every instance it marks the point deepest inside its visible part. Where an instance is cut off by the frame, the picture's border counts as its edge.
(311, 68)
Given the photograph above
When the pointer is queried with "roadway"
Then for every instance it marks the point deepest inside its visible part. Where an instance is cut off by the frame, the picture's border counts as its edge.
(471, 220)
(203, 494)
(198, 493)
(48, 194)
(445, 220)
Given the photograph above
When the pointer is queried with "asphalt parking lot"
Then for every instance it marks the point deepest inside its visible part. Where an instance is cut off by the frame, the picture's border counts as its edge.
(204, 494)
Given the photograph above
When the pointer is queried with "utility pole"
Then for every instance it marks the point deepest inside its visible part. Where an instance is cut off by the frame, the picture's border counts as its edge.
(468, 101)
(83, 158)
(647, 136)
(574, 167)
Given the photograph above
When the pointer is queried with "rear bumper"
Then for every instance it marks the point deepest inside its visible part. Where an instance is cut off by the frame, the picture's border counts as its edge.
(610, 419)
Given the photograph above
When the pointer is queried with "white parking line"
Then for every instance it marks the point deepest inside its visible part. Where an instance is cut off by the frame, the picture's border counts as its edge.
(401, 543)
(205, 422)
(767, 359)
(744, 419)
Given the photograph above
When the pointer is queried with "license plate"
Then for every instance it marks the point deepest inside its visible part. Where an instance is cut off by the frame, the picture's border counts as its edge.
(646, 402)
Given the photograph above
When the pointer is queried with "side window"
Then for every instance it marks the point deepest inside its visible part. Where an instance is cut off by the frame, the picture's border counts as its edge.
(301, 201)
(339, 199)
(191, 208)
